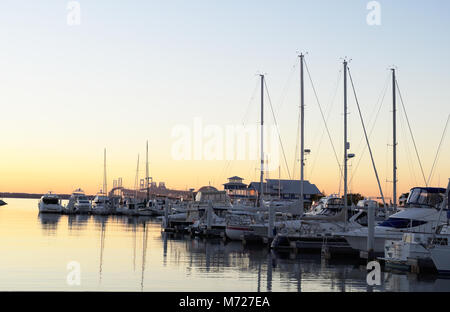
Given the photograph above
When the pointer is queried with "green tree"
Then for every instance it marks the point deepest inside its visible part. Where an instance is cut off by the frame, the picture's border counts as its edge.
(353, 198)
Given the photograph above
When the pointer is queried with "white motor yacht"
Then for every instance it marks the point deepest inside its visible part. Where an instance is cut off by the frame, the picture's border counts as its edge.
(157, 206)
(101, 204)
(50, 203)
(421, 214)
(132, 206)
(78, 203)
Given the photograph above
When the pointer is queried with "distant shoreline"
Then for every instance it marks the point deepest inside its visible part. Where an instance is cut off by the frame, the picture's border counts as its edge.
(32, 195)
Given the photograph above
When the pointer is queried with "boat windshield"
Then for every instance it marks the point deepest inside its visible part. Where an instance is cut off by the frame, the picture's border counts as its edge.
(82, 197)
(431, 197)
(328, 212)
(50, 201)
(335, 203)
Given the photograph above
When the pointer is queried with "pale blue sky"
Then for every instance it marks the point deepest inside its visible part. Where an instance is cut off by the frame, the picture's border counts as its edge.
(134, 69)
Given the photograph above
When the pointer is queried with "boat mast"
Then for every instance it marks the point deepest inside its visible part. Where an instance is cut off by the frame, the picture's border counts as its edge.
(104, 173)
(302, 134)
(147, 174)
(136, 183)
(261, 180)
(394, 143)
(346, 144)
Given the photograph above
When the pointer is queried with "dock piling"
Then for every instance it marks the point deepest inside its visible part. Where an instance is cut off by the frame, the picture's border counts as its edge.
(371, 232)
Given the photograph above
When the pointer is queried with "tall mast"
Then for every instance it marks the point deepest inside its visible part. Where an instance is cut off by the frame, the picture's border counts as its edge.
(261, 180)
(146, 173)
(137, 178)
(346, 144)
(302, 133)
(394, 141)
(104, 173)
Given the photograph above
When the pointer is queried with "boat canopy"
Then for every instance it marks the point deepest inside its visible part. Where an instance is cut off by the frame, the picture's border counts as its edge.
(50, 200)
(426, 196)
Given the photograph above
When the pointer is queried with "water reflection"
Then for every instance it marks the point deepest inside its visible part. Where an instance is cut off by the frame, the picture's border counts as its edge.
(115, 253)
(144, 251)
(101, 220)
(49, 222)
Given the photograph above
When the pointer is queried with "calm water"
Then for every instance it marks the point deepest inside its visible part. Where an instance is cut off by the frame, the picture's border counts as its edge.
(131, 254)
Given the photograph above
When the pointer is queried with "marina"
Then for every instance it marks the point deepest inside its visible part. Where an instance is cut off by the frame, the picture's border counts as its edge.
(284, 216)
(127, 253)
(224, 147)
(271, 219)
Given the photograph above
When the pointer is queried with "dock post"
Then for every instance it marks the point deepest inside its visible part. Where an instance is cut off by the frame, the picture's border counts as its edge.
(371, 232)
(325, 252)
(270, 223)
(166, 215)
(209, 216)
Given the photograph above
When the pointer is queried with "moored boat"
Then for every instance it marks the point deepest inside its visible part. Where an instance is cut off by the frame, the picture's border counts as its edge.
(50, 203)
(78, 203)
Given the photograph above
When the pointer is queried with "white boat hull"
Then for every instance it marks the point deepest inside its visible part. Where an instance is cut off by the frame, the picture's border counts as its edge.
(359, 242)
(50, 208)
(145, 213)
(237, 232)
(82, 208)
(441, 258)
(100, 211)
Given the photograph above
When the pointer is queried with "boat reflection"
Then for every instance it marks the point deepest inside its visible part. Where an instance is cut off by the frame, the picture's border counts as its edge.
(49, 222)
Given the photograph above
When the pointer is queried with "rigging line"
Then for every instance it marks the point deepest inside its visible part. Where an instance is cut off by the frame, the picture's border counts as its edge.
(382, 96)
(330, 108)
(287, 85)
(373, 122)
(323, 117)
(250, 102)
(410, 131)
(283, 98)
(367, 139)
(223, 172)
(387, 166)
(408, 153)
(278, 130)
(437, 152)
(296, 146)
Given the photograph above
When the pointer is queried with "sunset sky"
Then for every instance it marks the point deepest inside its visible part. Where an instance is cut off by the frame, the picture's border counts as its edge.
(136, 70)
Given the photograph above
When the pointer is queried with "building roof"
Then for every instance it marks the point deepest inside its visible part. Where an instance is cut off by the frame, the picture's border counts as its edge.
(235, 184)
(235, 178)
(287, 187)
(207, 189)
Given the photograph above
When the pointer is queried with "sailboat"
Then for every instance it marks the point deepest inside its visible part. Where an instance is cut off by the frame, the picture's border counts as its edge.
(145, 208)
(101, 203)
(333, 216)
(420, 213)
(243, 222)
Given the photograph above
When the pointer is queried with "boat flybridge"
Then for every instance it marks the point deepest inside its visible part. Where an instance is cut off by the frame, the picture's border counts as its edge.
(50, 203)
(421, 214)
(78, 202)
(318, 207)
